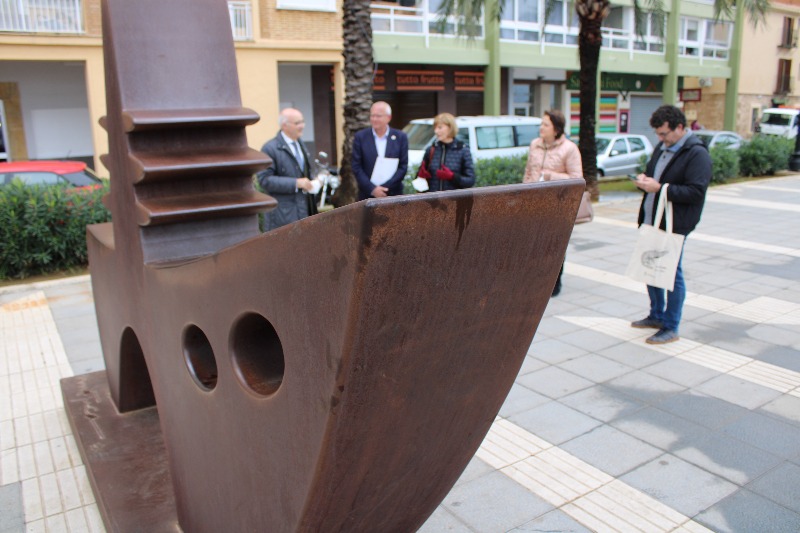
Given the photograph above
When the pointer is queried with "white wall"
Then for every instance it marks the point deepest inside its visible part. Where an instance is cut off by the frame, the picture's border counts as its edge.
(55, 109)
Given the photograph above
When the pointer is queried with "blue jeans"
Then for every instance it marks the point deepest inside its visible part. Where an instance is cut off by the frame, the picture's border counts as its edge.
(668, 310)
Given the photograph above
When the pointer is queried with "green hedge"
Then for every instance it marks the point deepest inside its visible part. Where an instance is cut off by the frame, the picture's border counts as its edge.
(764, 155)
(724, 164)
(43, 229)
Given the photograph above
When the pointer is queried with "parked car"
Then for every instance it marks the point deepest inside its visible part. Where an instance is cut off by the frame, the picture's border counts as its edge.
(486, 136)
(712, 138)
(619, 153)
(781, 121)
(73, 174)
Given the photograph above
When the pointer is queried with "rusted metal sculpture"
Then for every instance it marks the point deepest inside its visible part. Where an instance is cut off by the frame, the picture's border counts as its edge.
(336, 374)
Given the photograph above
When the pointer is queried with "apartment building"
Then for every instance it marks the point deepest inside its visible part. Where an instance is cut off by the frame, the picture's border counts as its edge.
(52, 91)
(289, 54)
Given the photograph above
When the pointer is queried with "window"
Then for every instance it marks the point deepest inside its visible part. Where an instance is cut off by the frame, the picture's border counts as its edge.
(620, 146)
(787, 37)
(784, 76)
(636, 144)
(495, 137)
(526, 134)
(35, 178)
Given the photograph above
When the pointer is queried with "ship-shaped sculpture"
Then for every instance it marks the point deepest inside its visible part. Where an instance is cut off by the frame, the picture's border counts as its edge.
(336, 374)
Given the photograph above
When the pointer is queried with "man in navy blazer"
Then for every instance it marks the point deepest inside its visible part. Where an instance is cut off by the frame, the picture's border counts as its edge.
(377, 140)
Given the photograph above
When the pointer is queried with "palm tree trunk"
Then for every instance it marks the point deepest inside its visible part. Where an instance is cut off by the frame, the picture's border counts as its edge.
(358, 75)
(591, 14)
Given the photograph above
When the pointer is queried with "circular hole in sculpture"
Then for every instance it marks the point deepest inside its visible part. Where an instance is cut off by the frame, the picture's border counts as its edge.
(200, 358)
(257, 354)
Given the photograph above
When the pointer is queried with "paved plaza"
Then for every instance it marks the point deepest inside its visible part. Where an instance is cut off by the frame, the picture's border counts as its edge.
(601, 431)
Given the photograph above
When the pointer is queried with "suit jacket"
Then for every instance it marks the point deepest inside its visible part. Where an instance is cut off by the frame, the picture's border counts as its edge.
(279, 180)
(365, 154)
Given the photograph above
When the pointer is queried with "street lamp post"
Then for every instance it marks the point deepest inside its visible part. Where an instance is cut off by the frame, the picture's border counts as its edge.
(794, 161)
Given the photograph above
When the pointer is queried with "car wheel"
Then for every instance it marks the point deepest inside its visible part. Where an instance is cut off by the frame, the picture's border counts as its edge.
(600, 173)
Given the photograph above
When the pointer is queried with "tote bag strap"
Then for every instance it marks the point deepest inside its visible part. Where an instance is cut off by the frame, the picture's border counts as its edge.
(662, 206)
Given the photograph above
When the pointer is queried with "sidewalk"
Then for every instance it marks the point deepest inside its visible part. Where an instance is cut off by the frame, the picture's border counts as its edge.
(601, 432)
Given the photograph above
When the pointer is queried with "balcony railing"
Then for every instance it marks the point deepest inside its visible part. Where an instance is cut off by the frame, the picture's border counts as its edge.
(41, 16)
(422, 19)
(241, 14)
(66, 16)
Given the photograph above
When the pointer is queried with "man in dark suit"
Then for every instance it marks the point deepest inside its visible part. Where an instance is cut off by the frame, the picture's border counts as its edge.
(379, 141)
(287, 179)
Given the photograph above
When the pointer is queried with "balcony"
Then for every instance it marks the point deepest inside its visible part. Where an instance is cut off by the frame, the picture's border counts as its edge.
(41, 16)
(419, 20)
(66, 17)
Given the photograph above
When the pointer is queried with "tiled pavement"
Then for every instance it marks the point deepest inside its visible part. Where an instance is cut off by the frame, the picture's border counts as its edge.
(601, 432)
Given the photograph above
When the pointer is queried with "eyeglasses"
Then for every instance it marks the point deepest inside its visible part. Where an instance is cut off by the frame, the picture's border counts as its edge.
(663, 134)
(378, 115)
(298, 122)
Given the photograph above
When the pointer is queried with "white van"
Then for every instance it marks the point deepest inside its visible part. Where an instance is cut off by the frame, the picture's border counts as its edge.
(780, 121)
(486, 136)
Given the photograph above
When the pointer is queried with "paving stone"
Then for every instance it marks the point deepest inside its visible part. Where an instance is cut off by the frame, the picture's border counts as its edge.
(552, 522)
(494, 503)
(521, 399)
(648, 388)
(603, 403)
(595, 368)
(442, 520)
(780, 485)
(681, 372)
(678, 484)
(554, 422)
(701, 409)
(738, 391)
(661, 429)
(12, 516)
(785, 408)
(553, 382)
(591, 340)
(600, 448)
(555, 351)
(749, 512)
(633, 355)
(767, 433)
(726, 456)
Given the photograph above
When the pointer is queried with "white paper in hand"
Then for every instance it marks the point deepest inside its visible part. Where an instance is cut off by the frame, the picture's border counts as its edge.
(316, 185)
(384, 170)
(420, 184)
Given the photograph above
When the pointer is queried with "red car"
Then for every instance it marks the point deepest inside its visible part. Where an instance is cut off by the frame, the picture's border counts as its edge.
(74, 174)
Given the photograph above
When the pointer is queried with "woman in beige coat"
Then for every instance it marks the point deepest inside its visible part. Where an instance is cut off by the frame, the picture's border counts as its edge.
(553, 157)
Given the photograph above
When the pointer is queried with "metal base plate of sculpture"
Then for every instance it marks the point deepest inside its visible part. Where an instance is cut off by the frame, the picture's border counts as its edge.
(336, 374)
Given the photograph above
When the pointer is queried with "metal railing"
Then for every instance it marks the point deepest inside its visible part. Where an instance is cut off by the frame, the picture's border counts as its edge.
(241, 14)
(66, 16)
(389, 17)
(41, 16)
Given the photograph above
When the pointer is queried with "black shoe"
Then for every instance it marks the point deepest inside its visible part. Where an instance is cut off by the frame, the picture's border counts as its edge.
(663, 336)
(557, 289)
(647, 323)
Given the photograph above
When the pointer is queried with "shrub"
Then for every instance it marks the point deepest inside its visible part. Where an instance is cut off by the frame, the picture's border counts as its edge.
(724, 164)
(500, 170)
(764, 155)
(43, 229)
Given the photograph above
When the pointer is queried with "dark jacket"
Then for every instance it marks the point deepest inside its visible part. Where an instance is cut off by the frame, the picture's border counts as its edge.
(457, 158)
(365, 154)
(279, 180)
(688, 174)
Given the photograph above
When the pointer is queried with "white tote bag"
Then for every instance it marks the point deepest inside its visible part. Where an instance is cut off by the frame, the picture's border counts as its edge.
(655, 258)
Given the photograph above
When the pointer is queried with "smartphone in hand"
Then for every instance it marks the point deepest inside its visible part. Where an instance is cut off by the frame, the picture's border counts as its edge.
(632, 177)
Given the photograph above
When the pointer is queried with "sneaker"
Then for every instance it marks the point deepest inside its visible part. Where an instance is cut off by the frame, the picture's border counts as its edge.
(663, 336)
(647, 323)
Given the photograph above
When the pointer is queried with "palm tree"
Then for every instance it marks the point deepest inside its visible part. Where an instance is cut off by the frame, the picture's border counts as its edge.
(591, 14)
(358, 75)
